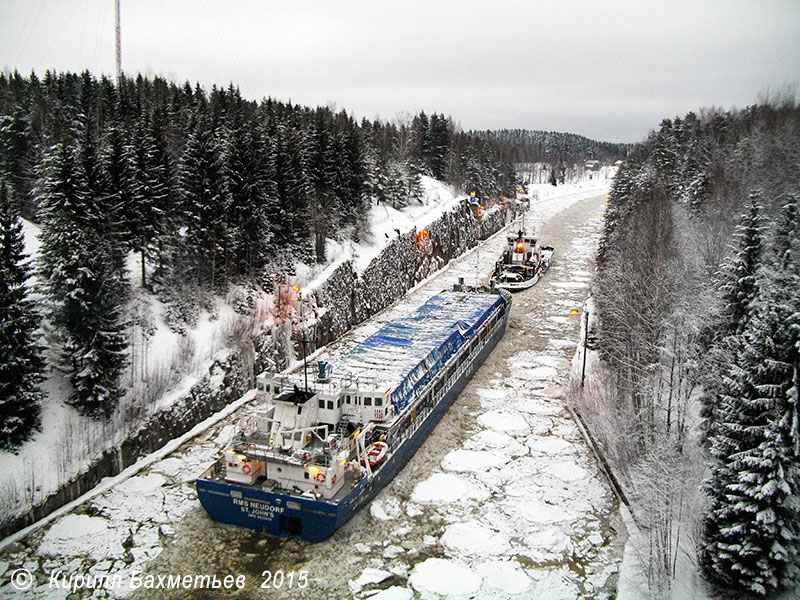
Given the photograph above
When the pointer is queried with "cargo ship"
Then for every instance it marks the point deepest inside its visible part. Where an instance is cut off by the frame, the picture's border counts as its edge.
(310, 454)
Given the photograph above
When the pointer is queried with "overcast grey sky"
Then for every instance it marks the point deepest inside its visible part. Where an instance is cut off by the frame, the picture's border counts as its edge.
(610, 70)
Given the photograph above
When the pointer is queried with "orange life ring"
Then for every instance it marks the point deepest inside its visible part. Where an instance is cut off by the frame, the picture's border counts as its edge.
(333, 479)
(320, 477)
(251, 446)
(246, 469)
(306, 456)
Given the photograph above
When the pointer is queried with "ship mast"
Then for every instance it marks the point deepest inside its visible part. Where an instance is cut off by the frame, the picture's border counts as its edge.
(118, 33)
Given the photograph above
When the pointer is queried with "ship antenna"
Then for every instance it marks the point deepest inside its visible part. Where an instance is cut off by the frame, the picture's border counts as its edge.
(303, 330)
(118, 42)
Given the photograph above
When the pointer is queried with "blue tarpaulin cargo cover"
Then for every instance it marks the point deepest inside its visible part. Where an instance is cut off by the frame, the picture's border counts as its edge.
(405, 355)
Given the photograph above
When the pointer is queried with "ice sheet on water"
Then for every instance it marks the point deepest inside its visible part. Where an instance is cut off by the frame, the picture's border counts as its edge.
(394, 593)
(443, 578)
(550, 445)
(552, 361)
(446, 487)
(471, 461)
(540, 373)
(555, 585)
(471, 538)
(547, 545)
(493, 393)
(385, 508)
(503, 420)
(535, 511)
(489, 439)
(567, 471)
(505, 576)
(82, 535)
(560, 344)
(576, 285)
(171, 467)
(141, 484)
(538, 406)
(368, 576)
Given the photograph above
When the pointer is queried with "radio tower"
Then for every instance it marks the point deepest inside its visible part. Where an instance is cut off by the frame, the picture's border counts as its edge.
(119, 44)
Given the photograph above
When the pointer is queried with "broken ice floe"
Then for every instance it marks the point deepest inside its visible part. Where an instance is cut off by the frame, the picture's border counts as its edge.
(368, 576)
(471, 461)
(503, 420)
(442, 578)
(446, 487)
(488, 439)
(82, 535)
(471, 538)
(385, 508)
(547, 545)
(504, 576)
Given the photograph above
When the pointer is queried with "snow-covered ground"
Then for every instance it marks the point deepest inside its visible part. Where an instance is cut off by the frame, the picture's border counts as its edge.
(503, 500)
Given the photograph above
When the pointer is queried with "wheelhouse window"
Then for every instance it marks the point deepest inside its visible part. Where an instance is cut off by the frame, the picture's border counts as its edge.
(367, 401)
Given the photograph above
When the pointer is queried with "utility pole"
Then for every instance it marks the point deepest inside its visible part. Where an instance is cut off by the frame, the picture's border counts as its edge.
(119, 43)
(585, 344)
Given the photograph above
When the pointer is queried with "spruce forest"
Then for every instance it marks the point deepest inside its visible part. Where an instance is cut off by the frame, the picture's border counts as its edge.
(207, 189)
(698, 326)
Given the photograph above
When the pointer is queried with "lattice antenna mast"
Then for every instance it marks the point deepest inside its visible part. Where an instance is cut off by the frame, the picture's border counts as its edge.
(118, 32)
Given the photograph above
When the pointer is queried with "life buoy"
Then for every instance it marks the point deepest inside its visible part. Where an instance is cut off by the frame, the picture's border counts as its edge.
(320, 477)
(333, 479)
(246, 469)
(306, 456)
(251, 446)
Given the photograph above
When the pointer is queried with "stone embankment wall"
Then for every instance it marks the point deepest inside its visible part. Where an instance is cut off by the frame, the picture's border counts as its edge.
(343, 301)
(347, 299)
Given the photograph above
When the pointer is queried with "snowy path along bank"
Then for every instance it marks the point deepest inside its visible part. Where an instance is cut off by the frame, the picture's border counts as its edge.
(503, 500)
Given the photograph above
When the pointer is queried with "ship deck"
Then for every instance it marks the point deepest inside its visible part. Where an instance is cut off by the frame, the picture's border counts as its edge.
(216, 473)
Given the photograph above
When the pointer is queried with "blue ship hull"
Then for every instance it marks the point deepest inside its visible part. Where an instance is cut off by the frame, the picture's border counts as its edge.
(313, 520)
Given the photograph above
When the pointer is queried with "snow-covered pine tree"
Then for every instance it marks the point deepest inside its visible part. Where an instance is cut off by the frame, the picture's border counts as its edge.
(16, 164)
(251, 195)
(21, 364)
(421, 143)
(116, 207)
(439, 144)
(149, 164)
(82, 285)
(294, 190)
(738, 285)
(322, 163)
(752, 528)
(202, 184)
(353, 176)
(740, 271)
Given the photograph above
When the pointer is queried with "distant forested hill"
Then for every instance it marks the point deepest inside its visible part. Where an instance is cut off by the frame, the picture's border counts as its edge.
(526, 146)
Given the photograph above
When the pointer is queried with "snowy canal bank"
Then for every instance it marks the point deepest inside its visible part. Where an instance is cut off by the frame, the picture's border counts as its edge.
(503, 500)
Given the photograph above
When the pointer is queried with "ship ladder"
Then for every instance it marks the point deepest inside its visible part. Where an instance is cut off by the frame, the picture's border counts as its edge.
(341, 428)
